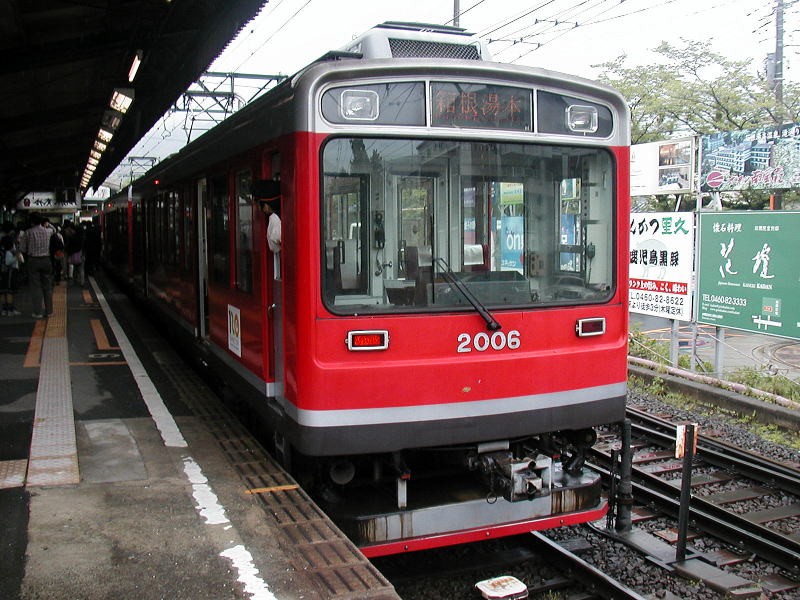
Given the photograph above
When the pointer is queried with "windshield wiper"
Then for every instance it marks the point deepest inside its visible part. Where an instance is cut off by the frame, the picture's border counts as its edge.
(450, 277)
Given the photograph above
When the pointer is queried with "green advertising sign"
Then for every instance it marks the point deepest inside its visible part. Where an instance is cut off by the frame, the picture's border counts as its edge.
(749, 272)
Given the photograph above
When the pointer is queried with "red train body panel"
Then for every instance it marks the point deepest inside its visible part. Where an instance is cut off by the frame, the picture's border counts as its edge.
(450, 291)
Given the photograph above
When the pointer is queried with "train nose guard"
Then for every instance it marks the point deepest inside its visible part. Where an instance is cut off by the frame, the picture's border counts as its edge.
(442, 513)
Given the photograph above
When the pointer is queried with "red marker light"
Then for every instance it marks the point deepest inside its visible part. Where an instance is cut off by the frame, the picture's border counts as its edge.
(590, 327)
(367, 340)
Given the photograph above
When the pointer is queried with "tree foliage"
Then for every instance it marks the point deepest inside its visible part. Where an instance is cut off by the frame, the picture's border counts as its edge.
(693, 90)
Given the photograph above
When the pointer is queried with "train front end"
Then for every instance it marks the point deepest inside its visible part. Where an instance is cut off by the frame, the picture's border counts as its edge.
(460, 324)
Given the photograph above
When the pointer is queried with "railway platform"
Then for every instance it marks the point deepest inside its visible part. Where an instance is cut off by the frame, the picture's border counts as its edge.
(122, 475)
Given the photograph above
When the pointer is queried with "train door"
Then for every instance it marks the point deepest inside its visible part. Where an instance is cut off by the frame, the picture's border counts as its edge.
(494, 225)
(274, 302)
(202, 260)
(414, 197)
(347, 247)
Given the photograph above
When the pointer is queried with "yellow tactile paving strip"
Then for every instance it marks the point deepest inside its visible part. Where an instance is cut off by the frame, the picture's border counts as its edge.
(12, 473)
(54, 455)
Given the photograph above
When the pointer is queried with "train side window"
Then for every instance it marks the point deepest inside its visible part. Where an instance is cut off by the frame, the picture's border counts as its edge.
(244, 231)
(188, 229)
(173, 228)
(220, 255)
(158, 238)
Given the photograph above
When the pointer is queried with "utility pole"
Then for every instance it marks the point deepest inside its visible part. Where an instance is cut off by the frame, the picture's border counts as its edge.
(776, 200)
(456, 12)
(779, 55)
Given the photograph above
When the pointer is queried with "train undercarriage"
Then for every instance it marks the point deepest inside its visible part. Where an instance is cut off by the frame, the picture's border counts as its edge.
(427, 498)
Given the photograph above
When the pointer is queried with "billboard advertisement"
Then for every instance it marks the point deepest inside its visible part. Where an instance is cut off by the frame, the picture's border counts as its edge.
(767, 159)
(661, 264)
(749, 271)
(662, 167)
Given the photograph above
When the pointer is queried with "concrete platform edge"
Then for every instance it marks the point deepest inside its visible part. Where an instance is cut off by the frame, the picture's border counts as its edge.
(764, 412)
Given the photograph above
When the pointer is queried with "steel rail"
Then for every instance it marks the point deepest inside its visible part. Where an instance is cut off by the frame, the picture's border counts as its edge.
(590, 576)
(735, 530)
(721, 454)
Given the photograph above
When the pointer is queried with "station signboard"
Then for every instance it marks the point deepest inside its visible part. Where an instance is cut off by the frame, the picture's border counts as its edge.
(749, 271)
(661, 264)
(58, 200)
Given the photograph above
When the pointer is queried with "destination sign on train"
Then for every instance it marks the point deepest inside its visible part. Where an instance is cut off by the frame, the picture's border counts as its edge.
(480, 106)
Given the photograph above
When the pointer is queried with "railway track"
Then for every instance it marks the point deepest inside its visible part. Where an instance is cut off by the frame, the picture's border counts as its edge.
(550, 568)
(748, 501)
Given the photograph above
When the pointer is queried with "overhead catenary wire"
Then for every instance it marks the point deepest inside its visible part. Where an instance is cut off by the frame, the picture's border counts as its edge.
(465, 11)
(552, 20)
(274, 33)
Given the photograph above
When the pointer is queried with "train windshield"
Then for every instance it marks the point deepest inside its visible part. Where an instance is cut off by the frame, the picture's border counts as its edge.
(408, 223)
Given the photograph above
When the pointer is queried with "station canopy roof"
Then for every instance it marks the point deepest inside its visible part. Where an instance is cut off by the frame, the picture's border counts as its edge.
(64, 59)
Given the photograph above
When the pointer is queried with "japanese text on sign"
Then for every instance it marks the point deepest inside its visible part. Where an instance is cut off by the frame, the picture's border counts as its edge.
(660, 261)
(484, 106)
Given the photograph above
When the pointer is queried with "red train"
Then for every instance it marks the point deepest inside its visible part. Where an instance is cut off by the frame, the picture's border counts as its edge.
(446, 320)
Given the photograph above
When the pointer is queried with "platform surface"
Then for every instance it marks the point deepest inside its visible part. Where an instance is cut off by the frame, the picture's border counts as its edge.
(123, 476)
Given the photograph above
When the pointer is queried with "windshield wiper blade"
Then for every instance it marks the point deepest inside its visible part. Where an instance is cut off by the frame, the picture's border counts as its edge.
(454, 282)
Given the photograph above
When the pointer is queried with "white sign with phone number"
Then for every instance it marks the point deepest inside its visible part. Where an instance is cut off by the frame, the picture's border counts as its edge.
(661, 264)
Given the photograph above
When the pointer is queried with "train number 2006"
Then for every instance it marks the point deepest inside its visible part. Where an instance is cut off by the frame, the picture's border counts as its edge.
(483, 341)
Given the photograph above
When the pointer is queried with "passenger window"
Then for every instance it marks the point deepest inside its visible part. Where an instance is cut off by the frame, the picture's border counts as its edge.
(244, 231)
(220, 269)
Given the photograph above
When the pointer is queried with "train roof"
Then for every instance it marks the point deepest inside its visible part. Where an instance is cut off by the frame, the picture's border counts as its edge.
(365, 58)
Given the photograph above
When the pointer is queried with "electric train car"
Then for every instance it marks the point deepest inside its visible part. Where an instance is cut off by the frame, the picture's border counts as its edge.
(446, 320)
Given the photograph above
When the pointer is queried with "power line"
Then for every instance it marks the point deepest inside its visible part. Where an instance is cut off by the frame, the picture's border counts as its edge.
(553, 22)
(463, 12)
(274, 33)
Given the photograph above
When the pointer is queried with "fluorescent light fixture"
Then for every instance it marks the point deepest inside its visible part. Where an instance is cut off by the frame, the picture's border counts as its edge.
(104, 135)
(93, 161)
(95, 154)
(111, 119)
(137, 61)
(121, 99)
(100, 146)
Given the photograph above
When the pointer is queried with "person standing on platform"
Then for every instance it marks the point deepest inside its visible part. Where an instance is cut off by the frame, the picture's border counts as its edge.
(57, 255)
(73, 241)
(9, 271)
(91, 248)
(35, 245)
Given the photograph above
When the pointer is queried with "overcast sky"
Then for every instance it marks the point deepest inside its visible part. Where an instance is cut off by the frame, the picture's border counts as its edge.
(290, 33)
(563, 35)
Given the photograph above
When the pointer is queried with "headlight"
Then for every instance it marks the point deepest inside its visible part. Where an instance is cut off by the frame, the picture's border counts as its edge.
(581, 119)
(359, 105)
